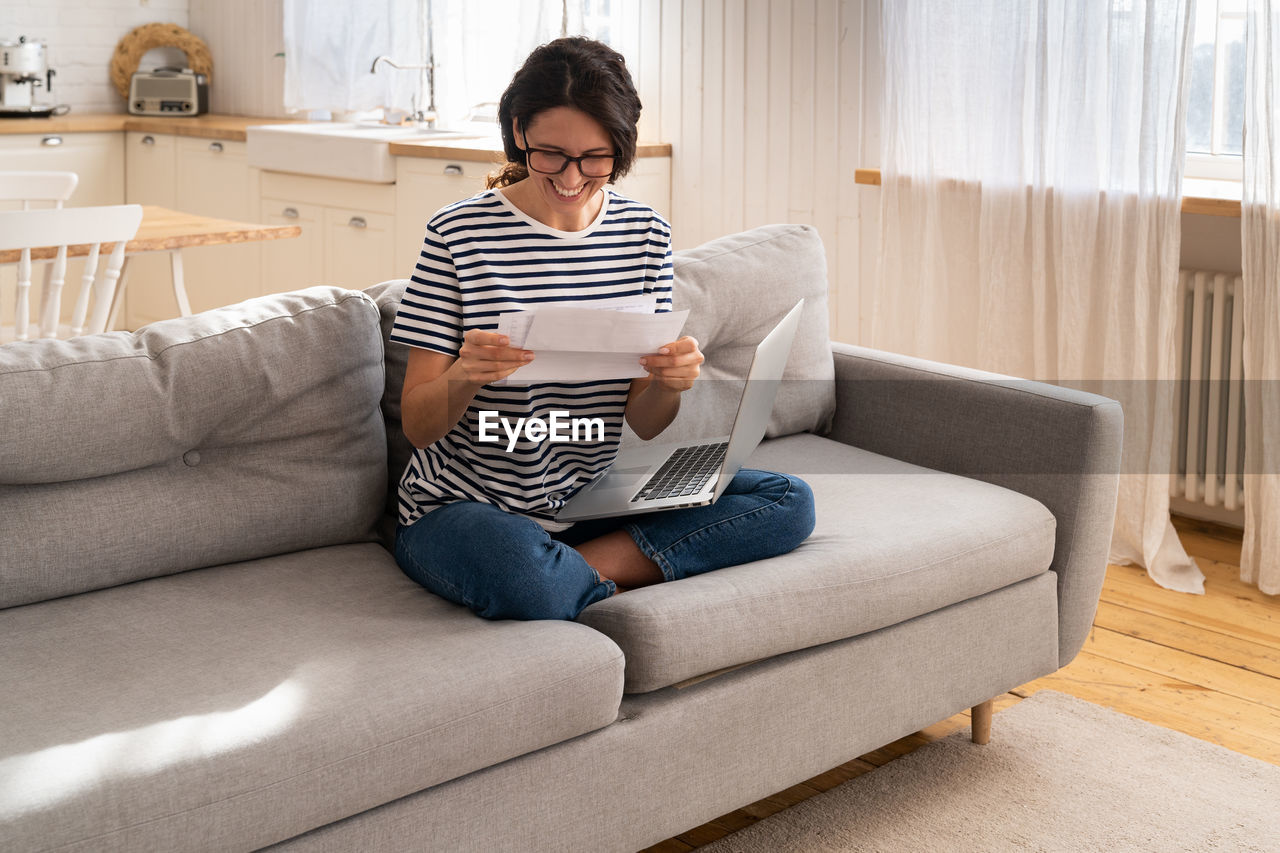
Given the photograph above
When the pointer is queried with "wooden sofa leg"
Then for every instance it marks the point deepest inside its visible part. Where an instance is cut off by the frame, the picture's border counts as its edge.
(982, 721)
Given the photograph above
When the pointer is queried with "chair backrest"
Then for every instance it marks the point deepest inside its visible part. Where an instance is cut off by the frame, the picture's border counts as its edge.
(35, 187)
(55, 233)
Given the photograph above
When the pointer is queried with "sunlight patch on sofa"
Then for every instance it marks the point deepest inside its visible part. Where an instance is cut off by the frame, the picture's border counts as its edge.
(47, 776)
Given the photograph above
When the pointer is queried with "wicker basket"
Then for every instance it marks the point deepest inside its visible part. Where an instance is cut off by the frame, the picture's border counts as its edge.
(132, 47)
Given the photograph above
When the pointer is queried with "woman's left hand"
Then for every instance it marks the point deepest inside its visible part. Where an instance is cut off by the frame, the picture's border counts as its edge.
(675, 365)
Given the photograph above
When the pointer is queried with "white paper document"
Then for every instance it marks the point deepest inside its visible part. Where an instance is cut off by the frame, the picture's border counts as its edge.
(583, 344)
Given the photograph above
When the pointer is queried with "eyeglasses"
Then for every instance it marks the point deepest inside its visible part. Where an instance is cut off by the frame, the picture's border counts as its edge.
(549, 162)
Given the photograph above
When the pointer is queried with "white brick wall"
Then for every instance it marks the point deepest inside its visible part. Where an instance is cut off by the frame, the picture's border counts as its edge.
(81, 36)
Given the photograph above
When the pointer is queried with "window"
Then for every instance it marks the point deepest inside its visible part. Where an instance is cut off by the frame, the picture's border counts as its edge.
(475, 45)
(1215, 107)
(491, 38)
(479, 44)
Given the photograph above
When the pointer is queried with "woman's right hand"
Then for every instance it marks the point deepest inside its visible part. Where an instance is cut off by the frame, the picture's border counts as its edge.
(487, 357)
(439, 387)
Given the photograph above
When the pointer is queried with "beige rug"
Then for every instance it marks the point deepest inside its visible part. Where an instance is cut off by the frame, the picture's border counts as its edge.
(1060, 774)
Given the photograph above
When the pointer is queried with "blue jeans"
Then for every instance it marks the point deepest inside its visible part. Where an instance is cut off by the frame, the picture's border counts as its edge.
(506, 566)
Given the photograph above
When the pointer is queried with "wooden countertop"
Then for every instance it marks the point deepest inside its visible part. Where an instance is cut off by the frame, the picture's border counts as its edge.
(205, 126)
(479, 150)
(1208, 198)
(488, 149)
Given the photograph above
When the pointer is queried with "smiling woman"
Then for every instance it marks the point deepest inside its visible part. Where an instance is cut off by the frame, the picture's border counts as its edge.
(551, 185)
(478, 524)
(596, 107)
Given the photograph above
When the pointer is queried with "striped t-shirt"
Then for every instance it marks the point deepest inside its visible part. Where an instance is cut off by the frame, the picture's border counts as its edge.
(481, 258)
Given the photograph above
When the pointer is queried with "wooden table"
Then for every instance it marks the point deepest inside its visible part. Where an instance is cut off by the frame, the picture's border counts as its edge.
(165, 230)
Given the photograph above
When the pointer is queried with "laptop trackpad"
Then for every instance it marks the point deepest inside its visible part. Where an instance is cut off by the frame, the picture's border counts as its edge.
(623, 478)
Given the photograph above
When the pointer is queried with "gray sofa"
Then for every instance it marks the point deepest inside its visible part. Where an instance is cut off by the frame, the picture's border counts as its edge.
(206, 644)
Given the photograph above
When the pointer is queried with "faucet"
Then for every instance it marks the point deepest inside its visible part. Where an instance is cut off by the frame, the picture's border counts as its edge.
(426, 82)
(426, 71)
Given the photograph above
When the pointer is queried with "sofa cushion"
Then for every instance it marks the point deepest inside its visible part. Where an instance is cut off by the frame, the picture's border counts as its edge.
(737, 288)
(387, 295)
(237, 433)
(233, 707)
(893, 541)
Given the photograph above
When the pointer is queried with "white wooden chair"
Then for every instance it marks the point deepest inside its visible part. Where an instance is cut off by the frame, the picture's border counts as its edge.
(54, 232)
(37, 189)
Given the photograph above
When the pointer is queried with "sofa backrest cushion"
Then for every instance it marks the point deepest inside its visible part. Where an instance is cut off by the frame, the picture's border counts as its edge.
(387, 295)
(737, 288)
(237, 433)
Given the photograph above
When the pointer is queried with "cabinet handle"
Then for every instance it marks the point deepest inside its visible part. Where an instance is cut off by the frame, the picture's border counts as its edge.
(51, 141)
(148, 140)
(290, 213)
(215, 146)
(453, 169)
(357, 222)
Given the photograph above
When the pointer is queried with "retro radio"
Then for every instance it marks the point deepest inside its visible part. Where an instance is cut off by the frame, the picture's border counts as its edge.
(168, 92)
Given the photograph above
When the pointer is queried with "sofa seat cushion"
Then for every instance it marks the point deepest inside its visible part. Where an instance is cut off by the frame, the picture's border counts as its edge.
(237, 706)
(892, 541)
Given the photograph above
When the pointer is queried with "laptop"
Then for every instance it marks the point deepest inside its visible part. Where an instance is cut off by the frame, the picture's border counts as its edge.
(691, 473)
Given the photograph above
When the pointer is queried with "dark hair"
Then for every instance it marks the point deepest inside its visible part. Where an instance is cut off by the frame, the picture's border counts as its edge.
(570, 72)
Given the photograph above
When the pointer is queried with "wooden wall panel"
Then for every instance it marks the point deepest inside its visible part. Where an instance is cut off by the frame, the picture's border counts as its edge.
(755, 150)
(826, 138)
(733, 144)
(711, 165)
(801, 118)
(777, 126)
(244, 37)
(763, 103)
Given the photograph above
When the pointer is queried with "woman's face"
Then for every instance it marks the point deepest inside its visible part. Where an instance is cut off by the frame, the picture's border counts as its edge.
(572, 132)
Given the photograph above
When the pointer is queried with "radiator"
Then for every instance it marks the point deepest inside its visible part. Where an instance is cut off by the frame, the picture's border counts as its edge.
(1208, 450)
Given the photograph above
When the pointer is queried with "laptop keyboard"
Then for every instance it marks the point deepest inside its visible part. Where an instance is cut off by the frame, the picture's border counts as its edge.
(685, 472)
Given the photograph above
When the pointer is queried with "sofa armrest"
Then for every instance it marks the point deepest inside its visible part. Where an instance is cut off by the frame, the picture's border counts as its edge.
(1057, 445)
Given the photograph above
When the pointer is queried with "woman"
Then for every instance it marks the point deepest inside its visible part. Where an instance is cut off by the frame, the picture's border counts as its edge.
(476, 519)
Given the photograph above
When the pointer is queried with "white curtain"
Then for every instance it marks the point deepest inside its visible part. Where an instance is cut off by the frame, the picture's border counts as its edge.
(1260, 238)
(1030, 213)
(329, 46)
(477, 45)
(480, 43)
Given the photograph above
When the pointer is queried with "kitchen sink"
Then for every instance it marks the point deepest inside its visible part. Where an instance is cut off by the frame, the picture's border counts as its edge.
(354, 151)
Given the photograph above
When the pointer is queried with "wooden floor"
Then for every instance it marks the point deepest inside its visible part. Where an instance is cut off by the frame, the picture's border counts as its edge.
(1206, 665)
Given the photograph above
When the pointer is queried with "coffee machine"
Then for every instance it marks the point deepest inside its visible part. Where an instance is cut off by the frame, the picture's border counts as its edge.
(23, 69)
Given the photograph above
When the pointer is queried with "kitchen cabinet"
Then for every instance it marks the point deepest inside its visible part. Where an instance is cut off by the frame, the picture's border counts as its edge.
(98, 158)
(213, 178)
(359, 248)
(209, 177)
(150, 162)
(298, 262)
(348, 232)
(423, 186)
